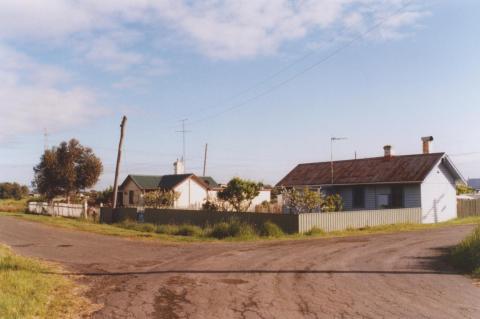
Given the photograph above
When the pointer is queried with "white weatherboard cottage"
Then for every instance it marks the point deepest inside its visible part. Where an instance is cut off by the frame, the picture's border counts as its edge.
(193, 190)
(426, 180)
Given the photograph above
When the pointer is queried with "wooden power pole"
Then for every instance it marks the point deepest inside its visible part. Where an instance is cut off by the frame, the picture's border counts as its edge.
(119, 157)
(205, 160)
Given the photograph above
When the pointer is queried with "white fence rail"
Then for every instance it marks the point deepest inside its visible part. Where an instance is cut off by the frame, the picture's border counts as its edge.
(358, 219)
(58, 209)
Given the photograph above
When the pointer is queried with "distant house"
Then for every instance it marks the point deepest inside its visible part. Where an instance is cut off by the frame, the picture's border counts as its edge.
(192, 189)
(474, 183)
(425, 180)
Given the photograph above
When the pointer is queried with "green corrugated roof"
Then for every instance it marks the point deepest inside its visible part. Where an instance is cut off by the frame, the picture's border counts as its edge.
(157, 181)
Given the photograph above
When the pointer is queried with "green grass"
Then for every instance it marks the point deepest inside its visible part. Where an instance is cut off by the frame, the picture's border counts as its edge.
(28, 291)
(466, 256)
(13, 205)
(230, 231)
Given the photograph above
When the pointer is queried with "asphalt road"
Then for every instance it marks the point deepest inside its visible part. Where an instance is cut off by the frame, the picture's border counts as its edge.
(380, 276)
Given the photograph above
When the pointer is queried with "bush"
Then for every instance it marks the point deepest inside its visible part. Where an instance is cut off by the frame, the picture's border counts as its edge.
(148, 228)
(315, 231)
(232, 228)
(466, 255)
(220, 230)
(133, 225)
(13, 191)
(166, 229)
(270, 229)
(188, 230)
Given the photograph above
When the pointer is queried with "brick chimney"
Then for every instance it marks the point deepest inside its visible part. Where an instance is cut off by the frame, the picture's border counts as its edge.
(388, 149)
(427, 142)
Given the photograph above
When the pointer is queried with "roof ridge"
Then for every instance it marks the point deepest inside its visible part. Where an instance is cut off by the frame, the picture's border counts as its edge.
(370, 158)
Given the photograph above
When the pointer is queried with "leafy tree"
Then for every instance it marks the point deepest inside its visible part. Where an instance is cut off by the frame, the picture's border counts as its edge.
(332, 203)
(308, 201)
(66, 169)
(240, 193)
(13, 190)
(160, 198)
(101, 197)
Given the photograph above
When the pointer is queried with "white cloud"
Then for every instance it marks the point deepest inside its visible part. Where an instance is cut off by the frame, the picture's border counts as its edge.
(221, 29)
(31, 99)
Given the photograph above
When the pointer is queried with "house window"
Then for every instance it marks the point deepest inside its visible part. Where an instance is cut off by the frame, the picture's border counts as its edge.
(130, 197)
(358, 194)
(397, 196)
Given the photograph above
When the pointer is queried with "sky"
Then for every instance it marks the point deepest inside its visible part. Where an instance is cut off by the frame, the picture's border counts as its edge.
(265, 83)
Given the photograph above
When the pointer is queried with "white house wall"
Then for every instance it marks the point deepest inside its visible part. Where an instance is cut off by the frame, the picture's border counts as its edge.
(263, 196)
(192, 195)
(439, 202)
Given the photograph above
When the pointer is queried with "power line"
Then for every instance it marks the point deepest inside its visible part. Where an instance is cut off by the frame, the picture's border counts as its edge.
(308, 68)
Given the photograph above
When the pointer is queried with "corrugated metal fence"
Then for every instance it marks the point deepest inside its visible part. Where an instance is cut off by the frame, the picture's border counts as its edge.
(58, 209)
(468, 207)
(289, 223)
(358, 219)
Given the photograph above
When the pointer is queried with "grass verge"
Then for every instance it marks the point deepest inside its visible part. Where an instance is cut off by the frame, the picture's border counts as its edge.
(29, 290)
(466, 256)
(230, 231)
(13, 205)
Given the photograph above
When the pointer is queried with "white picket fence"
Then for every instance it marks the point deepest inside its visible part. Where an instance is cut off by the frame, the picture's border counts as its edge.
(58, 209)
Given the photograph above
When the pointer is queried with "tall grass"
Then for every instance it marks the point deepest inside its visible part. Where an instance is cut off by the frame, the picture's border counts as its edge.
(232, 228)
(28, 291)
(13, 205)
(466, 255)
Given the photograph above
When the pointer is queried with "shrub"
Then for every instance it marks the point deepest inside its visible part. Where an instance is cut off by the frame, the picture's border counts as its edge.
(233, 228)
(133, 225)
(466, 255)
(220, 230)
(315, 231)
(188, 230)
(270, 229)
(211, 206)
(148, 228)
(166, 229)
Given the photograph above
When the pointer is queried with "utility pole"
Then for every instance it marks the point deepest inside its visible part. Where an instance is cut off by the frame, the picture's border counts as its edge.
(183, 131)
(205, 160)
(119, 157)
(333, 139)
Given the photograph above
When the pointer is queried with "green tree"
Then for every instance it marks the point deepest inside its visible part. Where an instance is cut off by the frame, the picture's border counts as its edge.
(66, 169)
(101, 197)
(309, 201)
(160, 198)
(332, 203)
(13, 190)
(239, 193)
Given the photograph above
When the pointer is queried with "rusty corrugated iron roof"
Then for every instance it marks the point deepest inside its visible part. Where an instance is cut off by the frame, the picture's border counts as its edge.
(375, 170)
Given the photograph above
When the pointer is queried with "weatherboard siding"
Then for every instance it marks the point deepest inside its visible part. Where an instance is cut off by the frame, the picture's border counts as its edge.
(438, 194)
(412, 196)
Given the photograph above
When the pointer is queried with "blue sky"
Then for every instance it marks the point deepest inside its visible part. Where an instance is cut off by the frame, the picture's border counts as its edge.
(76, 68)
